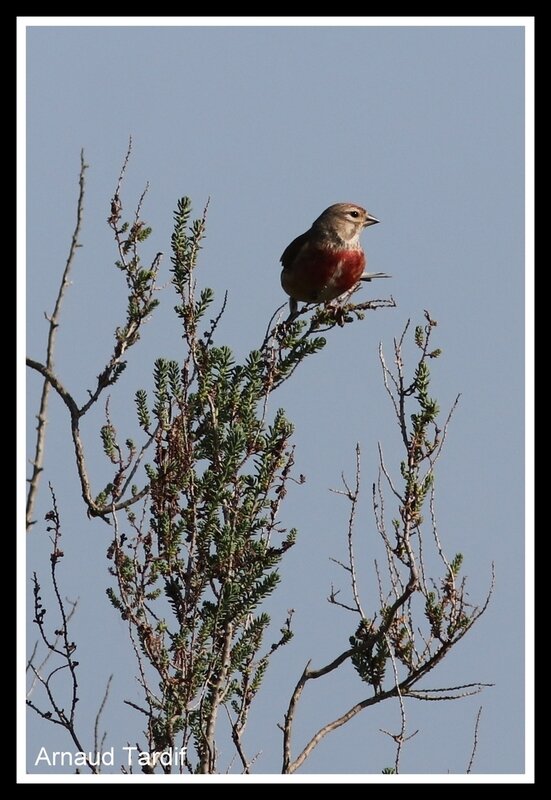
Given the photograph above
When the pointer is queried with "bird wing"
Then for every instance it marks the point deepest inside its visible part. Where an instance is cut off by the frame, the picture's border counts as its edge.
(292, 250)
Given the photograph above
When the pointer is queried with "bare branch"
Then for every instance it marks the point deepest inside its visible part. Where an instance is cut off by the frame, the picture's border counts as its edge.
(236, 739)
(39, 669)
(97, 742)
(57, 715)
(475, 741)
(124, 166)
(334, 594)
(76, 412)
(447, 613)
(351, 521)
(56, 384)
(400, 738)
(466, 690)
(395, 492)
(136, 707)
(352, 495)
(290, 767)
(444, 432)
(38, 460)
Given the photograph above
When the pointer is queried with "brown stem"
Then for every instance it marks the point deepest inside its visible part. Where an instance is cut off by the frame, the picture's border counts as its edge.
(208, 761)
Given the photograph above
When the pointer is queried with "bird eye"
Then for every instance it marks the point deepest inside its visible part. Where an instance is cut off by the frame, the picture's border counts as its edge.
(354, 214)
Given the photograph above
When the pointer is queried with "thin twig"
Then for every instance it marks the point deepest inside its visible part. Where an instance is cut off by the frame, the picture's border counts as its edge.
(444, 433)
(351, 521)
(353, 496)
(475, 741)
(97, 743)
(57, 715)
(38, 460)
(141, 305)
(395, 492)
(236, 739)
(124, 166)
(434, 527)
(401, 737)
(466, 690)
(402, 709)
(93, 509)
(30, 665)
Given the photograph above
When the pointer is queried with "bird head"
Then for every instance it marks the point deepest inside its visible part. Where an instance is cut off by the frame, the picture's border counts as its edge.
(344, 221)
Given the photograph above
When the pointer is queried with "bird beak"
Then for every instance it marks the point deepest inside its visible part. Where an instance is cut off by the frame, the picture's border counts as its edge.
(370, 220)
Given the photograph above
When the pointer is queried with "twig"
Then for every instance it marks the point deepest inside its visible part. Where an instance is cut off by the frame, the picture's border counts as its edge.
(395, 492)
(401, 737)
(57, 715)
(141, 290)
(353, 496)
(236, 732)
(378, 502)
(30, 665)
(467, 690)
(123, 168)
(434, 527)
(75, 412)
(333, 595)
(475, 741)
(53, 321)
(269, 329)
(444, 432)
(97, 743)
(56, 384)
(351, 520)
(387, 375)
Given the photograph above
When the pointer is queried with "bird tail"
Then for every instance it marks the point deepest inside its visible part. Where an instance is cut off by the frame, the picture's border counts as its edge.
(368, 276)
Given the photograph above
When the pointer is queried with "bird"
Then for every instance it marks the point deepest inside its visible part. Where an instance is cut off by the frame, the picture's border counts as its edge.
(327, 260)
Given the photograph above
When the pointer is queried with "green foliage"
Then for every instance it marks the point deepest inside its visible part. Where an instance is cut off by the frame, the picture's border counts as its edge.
(210, 553)
(110, 447)
(434, 612)
(144, 418)
(369, 654)
(104, 495)
(455, 564)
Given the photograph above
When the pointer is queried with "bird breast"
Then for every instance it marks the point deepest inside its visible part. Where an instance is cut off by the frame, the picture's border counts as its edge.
(322, 274)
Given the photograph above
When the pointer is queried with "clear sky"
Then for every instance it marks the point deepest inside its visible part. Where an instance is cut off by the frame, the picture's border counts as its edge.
(424, 126)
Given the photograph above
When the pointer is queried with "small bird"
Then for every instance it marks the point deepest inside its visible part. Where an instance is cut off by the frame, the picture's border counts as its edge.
(327, 260)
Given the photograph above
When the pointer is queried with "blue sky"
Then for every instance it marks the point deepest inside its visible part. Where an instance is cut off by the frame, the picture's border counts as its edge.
(423, 126)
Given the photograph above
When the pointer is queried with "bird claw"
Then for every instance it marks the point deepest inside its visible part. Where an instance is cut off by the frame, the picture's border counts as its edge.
(337, 311)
